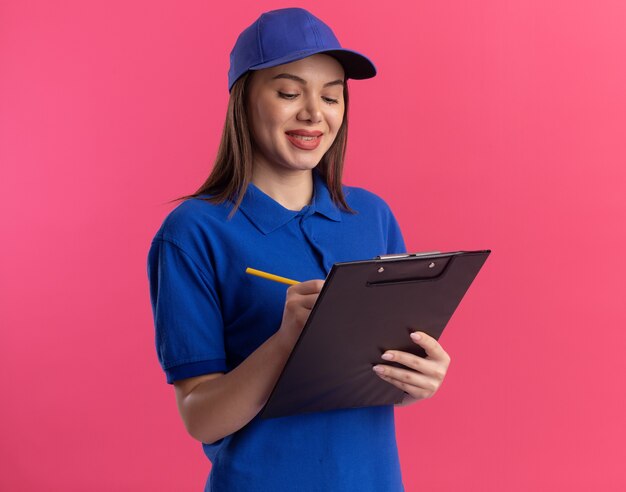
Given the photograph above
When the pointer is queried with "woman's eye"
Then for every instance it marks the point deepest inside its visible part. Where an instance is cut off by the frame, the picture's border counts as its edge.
(289, 96)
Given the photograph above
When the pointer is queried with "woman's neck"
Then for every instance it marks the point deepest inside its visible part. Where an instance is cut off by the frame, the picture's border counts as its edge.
(292, 189)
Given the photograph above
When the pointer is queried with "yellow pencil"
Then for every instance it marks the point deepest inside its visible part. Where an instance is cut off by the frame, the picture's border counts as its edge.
(270, 276)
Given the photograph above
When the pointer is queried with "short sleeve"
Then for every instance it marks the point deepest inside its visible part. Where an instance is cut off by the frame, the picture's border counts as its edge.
(395, 241)
(187, 315)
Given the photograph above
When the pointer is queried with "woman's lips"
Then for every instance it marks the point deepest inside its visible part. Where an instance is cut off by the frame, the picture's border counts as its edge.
(305, 140)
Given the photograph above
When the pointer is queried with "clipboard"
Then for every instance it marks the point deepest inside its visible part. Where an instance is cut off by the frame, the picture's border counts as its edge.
(364, 309)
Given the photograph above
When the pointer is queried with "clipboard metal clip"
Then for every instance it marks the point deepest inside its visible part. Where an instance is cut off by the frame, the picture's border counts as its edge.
(407, 255)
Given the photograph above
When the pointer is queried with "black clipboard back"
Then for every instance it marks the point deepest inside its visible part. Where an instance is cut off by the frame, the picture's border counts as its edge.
(364, 309)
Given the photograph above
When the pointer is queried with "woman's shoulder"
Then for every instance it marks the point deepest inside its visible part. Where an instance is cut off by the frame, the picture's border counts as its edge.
(361, 199)
(191, 217)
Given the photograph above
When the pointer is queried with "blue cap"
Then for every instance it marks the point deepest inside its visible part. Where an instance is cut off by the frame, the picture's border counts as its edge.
(286, 35)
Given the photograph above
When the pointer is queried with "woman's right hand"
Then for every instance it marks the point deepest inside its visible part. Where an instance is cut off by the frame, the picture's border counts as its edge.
(298, 305)
(216, 405)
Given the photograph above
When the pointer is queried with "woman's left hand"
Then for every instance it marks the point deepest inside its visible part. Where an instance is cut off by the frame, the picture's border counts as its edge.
(423, 376)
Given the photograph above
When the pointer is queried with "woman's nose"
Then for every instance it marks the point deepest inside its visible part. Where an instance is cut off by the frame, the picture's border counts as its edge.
(311, 110)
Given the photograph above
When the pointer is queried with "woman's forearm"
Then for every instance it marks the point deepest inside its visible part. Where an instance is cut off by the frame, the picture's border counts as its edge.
(214, 406)
(220, 406)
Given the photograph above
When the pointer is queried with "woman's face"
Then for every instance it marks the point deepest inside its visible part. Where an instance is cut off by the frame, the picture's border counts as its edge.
(295, 111)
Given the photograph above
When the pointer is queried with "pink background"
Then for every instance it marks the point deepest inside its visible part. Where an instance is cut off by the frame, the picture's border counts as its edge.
(492, 124)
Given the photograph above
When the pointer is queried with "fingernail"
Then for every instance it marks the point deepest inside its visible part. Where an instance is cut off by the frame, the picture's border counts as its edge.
(387, 356)
(378, 369)
(416, 336)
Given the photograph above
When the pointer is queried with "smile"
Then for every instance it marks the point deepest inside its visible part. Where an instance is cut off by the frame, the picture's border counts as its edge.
(304, 142)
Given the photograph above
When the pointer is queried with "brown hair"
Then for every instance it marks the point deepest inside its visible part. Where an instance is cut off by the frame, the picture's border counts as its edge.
(232, 171)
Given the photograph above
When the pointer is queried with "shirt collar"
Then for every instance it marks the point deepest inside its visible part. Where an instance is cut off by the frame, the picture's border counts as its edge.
(268, 215)
(322, 201)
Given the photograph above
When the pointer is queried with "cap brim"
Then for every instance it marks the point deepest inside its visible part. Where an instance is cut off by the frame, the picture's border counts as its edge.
(355, 65)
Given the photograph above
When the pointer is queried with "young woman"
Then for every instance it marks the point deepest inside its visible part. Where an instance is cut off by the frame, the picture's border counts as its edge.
(274, 201)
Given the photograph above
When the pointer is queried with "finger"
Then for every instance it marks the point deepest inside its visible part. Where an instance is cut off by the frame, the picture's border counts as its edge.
(414, 392)
(296, 301)
(432, 347)
(308, 287)
(409, 377)
(308, 301)
(428, 367)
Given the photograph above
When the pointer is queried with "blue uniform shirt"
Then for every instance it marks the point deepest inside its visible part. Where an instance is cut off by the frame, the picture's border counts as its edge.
(210, 315)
